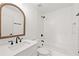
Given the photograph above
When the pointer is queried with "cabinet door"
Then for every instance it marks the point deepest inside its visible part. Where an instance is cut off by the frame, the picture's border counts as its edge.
(31, 51)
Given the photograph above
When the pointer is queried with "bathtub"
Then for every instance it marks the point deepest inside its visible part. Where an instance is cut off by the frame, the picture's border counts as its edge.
(55, 50)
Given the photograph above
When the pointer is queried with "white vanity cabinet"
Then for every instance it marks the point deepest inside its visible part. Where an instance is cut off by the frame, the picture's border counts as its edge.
(31, 51)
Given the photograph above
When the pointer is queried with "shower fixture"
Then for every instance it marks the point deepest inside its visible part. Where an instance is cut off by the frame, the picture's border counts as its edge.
(39, 5)
(77, 14)
(43, 17)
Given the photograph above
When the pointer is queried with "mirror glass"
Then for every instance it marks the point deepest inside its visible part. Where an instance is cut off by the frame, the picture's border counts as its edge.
(12, 21)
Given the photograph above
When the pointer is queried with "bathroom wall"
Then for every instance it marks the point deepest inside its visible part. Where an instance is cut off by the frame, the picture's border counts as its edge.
(34, 26)
(58, 30)
(32, 21)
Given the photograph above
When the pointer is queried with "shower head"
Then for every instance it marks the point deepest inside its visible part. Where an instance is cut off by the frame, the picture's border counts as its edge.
(39, 5)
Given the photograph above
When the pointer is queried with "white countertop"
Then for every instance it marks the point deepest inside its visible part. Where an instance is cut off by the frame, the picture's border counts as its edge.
(6, 51)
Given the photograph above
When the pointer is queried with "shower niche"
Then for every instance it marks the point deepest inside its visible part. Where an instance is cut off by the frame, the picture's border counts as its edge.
(12, 21)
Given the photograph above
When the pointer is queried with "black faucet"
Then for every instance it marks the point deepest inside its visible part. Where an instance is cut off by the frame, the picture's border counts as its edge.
(20, 39)
(11, 42)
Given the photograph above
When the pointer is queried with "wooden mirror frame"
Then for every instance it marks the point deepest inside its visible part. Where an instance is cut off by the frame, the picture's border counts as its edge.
(1, 6)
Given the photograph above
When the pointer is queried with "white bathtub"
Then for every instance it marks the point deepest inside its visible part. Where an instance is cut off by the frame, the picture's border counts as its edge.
(55, 50)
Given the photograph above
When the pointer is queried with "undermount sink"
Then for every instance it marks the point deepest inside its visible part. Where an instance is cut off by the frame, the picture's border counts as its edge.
(19, 45)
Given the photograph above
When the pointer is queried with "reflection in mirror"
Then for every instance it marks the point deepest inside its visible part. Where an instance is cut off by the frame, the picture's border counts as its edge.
(12, 21)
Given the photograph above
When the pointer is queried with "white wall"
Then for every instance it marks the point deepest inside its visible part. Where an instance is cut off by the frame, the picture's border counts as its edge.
(32, 21)
(58, 30)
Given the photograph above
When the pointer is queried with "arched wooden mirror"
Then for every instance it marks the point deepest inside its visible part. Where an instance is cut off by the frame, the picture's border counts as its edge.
(12, 21)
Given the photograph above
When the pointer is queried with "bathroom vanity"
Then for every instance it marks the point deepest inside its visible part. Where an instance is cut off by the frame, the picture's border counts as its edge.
(12, 24)
(25, 48)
